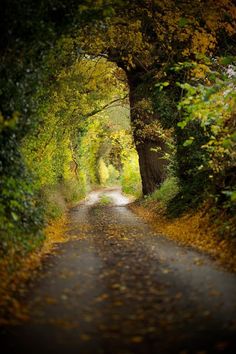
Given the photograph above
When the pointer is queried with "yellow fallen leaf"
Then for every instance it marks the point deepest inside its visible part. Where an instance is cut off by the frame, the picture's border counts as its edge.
(137, 339)
(85, 337)
(50, 300)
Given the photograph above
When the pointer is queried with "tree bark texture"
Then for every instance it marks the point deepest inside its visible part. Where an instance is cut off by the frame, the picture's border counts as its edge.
(150, 146)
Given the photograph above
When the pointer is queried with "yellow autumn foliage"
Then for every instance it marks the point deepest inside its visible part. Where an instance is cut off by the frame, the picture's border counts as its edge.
(194, 229)
(11, 310)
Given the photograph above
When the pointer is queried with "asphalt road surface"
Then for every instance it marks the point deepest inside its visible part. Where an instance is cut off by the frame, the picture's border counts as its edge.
(116, 287)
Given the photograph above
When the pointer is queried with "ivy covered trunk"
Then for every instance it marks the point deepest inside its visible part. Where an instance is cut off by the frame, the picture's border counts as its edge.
(150, 145)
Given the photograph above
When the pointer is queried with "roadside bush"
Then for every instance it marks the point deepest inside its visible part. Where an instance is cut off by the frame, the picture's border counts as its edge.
(73, 190)
(103, 172)
(167, 191)
(113, 175)
(209, 139)
(55, 204)
(130, 177)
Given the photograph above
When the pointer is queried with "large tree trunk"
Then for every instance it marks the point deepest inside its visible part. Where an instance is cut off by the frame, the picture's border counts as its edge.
(152, 166)
(150, 146)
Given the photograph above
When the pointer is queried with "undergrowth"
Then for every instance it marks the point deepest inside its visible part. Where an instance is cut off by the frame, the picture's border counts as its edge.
(105, 200)
(15, 272)
(167, 191)
(202, 227)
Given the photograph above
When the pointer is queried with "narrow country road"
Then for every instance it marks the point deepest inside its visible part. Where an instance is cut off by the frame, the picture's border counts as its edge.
(118, 288)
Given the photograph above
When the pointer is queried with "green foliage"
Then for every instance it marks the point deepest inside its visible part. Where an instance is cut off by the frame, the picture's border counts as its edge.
(114, 175)
(55, 160)
(21, 215)
(130, 177)
(189, 156)
(164, 105)
(70, 149)
(211, 108)
(105, 200)
(53, 129)
(54, 201)
(167, 191)
(56, 198)
(103, 172)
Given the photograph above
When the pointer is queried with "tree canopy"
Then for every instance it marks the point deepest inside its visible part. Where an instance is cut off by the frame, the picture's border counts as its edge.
(68, 72)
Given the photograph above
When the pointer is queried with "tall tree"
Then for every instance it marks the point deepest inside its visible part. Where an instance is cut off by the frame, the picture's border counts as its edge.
(146, 39)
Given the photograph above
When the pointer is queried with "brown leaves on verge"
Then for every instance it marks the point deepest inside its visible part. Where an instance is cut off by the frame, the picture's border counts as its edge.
(192, 229)
(13, 282)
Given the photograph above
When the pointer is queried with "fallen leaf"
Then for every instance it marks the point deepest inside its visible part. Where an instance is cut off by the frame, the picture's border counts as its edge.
(137, 339)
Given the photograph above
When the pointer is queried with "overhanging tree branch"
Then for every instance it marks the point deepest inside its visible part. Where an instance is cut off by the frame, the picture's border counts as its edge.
(88, 115)
(108, 105)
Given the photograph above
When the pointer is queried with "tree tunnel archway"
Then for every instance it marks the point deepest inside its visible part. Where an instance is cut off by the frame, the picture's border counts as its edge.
(85, 124)
(166, 50)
